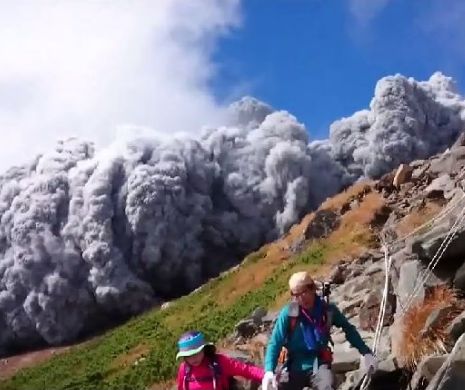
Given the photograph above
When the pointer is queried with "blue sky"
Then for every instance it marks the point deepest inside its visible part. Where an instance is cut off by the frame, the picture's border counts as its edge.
(320, 59)
(108, 71)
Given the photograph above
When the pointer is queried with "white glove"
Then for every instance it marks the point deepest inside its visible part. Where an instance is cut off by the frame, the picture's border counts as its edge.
(368, 363)
(269, 381)
(323, 378)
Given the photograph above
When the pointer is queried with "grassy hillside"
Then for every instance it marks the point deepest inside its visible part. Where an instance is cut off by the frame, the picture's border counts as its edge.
(141, 353)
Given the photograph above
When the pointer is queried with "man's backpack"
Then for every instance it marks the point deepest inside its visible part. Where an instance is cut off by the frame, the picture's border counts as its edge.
(216, 376)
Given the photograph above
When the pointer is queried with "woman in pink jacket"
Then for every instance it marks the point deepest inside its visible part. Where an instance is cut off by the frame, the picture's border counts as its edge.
(204, 369)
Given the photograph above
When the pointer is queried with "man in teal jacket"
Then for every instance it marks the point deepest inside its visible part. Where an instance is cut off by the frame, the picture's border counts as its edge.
(306, 340)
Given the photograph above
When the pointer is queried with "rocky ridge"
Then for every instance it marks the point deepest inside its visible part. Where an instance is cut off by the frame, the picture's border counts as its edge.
(432, 188)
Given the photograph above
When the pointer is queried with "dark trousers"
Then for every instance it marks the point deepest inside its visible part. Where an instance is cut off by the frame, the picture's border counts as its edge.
(298, 380)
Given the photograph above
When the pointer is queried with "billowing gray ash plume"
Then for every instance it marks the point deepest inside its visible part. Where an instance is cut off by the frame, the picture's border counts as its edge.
(407, 119)
(86, 235)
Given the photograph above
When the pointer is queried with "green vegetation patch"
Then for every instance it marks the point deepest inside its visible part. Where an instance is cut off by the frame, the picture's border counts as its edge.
(106, 363)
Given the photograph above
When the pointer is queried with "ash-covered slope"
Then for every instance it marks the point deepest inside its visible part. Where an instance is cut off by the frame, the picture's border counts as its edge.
(86, 235)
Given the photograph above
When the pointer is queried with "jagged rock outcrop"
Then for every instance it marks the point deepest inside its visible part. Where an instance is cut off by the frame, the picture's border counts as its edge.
(324, 222)
(451, 374)
(437, 181)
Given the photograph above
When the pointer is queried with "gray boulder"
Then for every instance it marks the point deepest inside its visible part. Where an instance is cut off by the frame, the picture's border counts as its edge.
(369, 310)
(459, 278)
(451, 375)
(246, 328)
(452, 161)
(408, 275)
(443, 186)
(426, 371)
(426, 246)
(345, 359)
(457, 327)
(324, 222)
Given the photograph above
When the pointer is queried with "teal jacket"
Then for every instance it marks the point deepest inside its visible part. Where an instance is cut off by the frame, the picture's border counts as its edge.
(302, 358)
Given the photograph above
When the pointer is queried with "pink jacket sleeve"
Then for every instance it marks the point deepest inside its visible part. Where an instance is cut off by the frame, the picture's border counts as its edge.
(180, 378)
(233, 367)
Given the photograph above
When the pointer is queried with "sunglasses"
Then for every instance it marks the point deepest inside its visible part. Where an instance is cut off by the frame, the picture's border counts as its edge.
(308, 288)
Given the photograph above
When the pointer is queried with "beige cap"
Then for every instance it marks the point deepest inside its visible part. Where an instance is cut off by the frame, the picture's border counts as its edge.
(299, 280)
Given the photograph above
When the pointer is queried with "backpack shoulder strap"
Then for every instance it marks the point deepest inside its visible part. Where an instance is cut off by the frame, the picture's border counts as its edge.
(216, 367)
(328, 313)
(293, 318)
(226, 382)
(292, 325)
(187, 374)
(219, 381)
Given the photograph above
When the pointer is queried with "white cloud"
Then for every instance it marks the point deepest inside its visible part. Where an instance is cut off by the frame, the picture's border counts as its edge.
(364, 11)
(84, 68)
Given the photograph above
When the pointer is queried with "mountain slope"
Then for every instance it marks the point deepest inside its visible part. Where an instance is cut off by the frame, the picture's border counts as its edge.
(141, 352)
